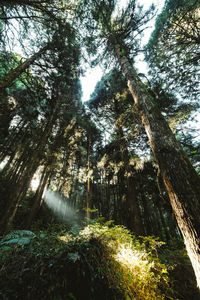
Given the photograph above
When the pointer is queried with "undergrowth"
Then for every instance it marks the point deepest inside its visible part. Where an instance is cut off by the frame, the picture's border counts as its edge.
(101, 261)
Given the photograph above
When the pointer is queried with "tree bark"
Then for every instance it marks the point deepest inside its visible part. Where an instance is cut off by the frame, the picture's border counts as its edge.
(181, 181)
(88, 191)
(134, 213)
(148, 228)
(162, 219)
(8, 79)
(38, 196)
(131, 215)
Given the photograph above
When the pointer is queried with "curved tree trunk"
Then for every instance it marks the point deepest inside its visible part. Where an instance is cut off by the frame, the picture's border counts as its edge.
(181, 181)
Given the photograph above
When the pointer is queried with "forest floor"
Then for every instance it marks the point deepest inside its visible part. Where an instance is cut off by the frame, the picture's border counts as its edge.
(98, 261)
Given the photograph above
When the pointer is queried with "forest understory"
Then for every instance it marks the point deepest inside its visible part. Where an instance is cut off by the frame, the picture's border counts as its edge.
(96, 261)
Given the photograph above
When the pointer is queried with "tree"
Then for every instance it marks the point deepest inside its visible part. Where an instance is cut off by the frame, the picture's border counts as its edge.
(127, 172)
(181, 181)
(110, 105)
(62, 92)
(8, 78)
(173, 49)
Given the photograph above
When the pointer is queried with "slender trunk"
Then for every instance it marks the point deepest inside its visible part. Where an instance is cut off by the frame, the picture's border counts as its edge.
(134, 213)
(23, 182)
(115, 204)
(131, 215)
(6, 115)
(158, 200)
(162, 219)
(15, 198)
(156, 218)
(123, 205)
(12, 143)
(88, 193)
(88, 198)
(8, 164)
(8, 79)
(181, 181)
(38, 197)
(18, 167)
(108, 198)
(148, 228)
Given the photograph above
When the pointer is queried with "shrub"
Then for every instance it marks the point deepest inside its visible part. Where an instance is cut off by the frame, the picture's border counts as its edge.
(102, 261)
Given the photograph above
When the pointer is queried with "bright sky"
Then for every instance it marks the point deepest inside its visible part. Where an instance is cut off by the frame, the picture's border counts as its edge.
(92, 76)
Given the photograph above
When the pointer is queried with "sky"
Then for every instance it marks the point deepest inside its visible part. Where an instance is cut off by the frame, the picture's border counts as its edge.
(93, 75)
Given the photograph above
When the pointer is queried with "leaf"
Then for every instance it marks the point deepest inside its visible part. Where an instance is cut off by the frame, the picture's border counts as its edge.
(73, 256)
(194, 152)
(5, 248)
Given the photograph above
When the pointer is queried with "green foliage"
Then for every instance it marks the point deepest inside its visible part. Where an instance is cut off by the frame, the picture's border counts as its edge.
(170, 10)
(173, 47)
(152, 244)
(136, 272)
(102, 261)
(181, 274)
(99, 261)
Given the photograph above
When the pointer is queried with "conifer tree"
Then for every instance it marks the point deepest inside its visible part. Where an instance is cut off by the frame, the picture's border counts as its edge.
(180, 179)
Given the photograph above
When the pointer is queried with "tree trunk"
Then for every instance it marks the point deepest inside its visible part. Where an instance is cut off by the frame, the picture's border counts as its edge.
(10, 145)
(148, 228)
(181, 181)
(162, 219)
(134, 213)
(23, 182)
(88, 192)
(38, 196)
(8, 79)
(131, 215)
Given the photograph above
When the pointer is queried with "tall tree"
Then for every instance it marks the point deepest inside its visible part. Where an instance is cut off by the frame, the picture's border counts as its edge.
(181, 181)
(110, 104)
(61, 92)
